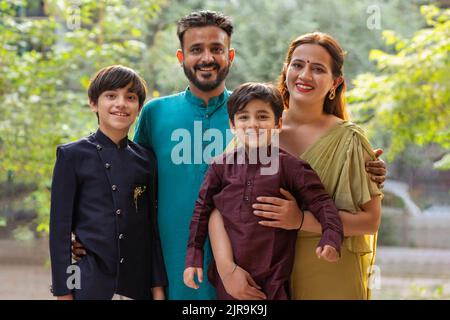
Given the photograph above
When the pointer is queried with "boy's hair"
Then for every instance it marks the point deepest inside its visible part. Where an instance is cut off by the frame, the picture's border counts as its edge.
(249, 91)
(204, 18)
(117, 77)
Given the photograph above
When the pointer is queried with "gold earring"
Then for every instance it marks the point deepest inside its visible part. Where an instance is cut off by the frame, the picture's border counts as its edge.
(332, 94)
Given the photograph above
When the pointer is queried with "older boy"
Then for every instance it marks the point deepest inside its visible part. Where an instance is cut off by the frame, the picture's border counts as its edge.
(104, 191)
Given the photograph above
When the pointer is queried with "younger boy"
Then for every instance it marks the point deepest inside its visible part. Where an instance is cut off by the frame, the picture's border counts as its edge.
(255, 110)
(104, 191)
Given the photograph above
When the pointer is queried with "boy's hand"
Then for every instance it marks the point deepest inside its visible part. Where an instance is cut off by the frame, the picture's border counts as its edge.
(78, 250)
(377, 169)
(188, 277)
(328, 253)
(158, 293)
(66, 297)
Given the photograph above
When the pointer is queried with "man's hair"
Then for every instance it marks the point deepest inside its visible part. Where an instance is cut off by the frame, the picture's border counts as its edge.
(249, 91)
(117, 77)
(204, 18)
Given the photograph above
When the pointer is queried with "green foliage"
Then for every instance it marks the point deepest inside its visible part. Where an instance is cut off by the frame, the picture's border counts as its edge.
(45, 64)
(407, 101)
(45, 68)
(264, 29)
(444, 163)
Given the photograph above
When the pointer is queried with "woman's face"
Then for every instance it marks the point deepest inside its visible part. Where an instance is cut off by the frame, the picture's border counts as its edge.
(309, 75)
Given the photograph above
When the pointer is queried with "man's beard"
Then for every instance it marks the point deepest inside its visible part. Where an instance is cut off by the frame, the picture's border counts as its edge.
(210, 85)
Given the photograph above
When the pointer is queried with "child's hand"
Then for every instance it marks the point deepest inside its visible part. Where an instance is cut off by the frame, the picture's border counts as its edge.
(188, 277)
(158, 293)
(328, 253)
(66, 297)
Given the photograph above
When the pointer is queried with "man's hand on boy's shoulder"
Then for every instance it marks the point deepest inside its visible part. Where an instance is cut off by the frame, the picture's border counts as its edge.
(78, 250)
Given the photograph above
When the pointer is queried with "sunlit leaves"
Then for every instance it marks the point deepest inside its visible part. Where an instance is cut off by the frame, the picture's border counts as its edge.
(408, 98)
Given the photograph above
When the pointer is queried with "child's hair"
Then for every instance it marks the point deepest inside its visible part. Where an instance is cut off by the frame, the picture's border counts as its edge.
(249, 91)
(204, 18)
(117, 77)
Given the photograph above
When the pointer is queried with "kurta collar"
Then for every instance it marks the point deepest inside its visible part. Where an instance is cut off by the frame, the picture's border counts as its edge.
(213, 103)
(240, 151)
(106, 142)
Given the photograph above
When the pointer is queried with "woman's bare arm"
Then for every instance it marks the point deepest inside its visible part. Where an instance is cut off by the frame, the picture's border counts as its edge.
(285, 214)
(358, 223)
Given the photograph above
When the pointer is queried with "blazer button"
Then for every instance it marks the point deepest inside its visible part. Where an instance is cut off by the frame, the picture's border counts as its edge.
(118, 211)
(246, 198)
(114, 187)
(122, 260)
(121, 236)
(99, 147)
(107, 165)
(249, 183)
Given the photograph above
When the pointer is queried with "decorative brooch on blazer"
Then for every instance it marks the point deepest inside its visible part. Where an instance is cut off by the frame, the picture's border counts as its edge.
(138, 191)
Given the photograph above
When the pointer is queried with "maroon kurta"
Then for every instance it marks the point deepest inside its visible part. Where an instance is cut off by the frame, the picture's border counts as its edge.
(266, 253)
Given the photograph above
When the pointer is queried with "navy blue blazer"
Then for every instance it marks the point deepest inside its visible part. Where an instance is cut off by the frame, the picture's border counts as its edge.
(106, 195)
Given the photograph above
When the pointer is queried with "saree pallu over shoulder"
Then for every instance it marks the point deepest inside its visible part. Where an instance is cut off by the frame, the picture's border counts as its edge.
(339, 159)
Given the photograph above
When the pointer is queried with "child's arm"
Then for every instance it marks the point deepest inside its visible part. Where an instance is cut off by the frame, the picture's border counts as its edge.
(238, 282)
(63, 190)
(308, 186)
(211, 186)
(285, 214)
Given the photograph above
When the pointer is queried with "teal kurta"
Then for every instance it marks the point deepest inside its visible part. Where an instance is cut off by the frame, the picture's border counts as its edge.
(175, 127)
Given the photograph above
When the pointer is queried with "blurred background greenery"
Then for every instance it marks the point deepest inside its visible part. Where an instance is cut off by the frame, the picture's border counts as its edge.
(397, 69)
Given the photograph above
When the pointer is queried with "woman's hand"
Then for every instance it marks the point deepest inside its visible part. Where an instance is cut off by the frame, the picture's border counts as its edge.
(284, 213)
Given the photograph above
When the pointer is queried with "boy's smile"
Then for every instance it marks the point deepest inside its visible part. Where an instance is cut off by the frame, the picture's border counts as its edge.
(117, 110)
(254, 124)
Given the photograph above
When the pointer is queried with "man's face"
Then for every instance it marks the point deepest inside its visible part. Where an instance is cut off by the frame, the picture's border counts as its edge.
(206, 57)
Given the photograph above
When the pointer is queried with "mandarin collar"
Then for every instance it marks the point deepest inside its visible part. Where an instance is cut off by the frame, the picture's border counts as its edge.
(106, 142)
(240, 150)
(212, 103)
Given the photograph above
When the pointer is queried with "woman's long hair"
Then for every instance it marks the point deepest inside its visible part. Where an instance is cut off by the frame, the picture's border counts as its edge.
(337, 106)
